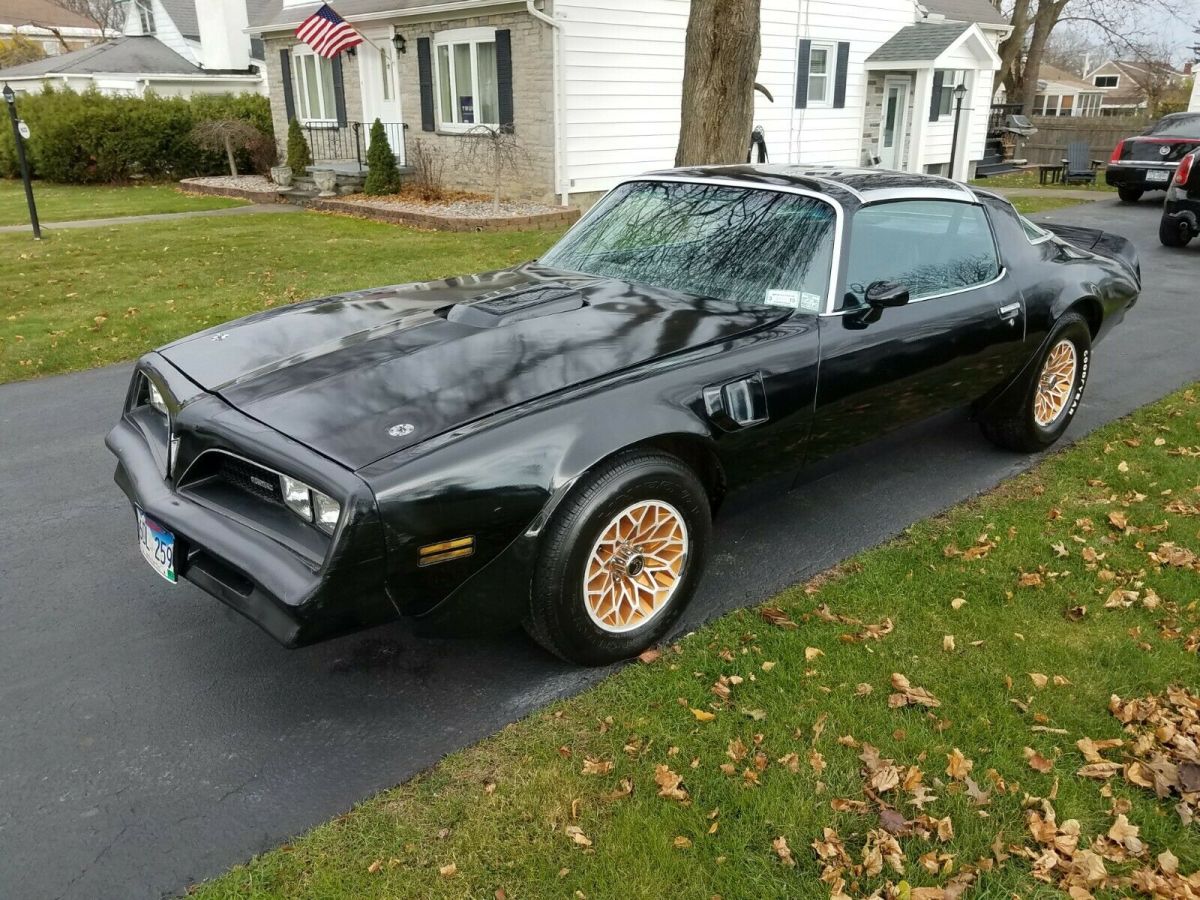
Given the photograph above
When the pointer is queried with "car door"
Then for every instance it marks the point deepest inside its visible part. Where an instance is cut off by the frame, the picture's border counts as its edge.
(961, 333)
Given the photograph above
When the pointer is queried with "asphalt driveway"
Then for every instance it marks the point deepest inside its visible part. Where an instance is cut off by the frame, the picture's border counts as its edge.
(149, 738)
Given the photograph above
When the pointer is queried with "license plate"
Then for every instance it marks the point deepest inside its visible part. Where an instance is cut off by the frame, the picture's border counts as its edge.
(158, 546)
(1158, 175)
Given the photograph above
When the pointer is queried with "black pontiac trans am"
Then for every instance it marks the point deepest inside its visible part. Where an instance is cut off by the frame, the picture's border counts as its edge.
(548, 444)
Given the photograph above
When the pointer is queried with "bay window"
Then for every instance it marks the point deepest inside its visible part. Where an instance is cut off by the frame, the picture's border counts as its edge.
(313, 88)
(467, 82)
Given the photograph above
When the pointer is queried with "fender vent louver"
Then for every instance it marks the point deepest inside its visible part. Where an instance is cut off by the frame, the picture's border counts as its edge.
(516, 306)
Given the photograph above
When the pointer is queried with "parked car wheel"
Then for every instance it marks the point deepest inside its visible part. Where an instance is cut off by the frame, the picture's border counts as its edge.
(1051, 391)
(1174, 232)
(620, 559)
(1130, 194)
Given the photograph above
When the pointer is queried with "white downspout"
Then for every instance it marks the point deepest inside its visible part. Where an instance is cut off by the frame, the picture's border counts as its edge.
(560, 153)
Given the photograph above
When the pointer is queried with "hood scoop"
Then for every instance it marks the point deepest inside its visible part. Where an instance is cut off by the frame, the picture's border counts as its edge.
(505, 308)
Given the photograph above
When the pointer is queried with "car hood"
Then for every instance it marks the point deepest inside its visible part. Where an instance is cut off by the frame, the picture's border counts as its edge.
(359, 376)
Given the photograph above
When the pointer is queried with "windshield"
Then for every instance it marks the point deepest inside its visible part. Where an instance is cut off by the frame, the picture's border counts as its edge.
(747, 245)
(1176, 126)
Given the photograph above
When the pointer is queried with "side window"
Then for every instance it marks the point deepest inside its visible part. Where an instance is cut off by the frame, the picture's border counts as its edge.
(930, 246)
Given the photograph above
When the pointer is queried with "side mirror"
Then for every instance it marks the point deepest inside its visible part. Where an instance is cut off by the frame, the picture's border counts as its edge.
(885, 294)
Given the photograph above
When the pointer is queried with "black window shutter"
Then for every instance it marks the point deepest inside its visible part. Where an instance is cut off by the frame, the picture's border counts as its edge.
(840, 73)
(935, 102)
(803, 58)
(425, 78)
(289, 99)
(504, 79)
(339, 91)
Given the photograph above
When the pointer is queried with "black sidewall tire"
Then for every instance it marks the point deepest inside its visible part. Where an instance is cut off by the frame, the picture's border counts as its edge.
(1130, 195)
(1075, 330)
(558, 616)
(1174, 232)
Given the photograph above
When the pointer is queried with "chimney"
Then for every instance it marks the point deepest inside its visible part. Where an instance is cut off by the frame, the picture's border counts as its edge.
(224, 43)
(1187, 68)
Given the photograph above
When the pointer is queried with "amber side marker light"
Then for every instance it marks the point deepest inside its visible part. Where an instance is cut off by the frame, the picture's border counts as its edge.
(432, 554)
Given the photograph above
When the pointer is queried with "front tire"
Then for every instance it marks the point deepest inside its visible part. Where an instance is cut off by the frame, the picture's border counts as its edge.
(1174, 232)
(620, 559)
(1130, 194)
(1050, 393)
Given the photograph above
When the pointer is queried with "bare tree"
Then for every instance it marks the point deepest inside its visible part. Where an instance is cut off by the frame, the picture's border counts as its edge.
(229, 135)
(1074, 50)
(720, 62)
(1034, 21)
(108, 15)
(496, 151)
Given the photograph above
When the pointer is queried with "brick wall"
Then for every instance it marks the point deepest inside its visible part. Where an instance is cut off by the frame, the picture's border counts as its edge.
(533, 103)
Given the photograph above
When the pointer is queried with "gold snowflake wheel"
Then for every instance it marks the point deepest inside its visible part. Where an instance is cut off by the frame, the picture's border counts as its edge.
(635, 566)
(1056, 383)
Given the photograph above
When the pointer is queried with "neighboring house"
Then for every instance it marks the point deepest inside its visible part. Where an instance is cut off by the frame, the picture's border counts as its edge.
(1194, 101)
(165, 46)
(48, 25)
(1062, 94)
(592, 91)
(1125, 85)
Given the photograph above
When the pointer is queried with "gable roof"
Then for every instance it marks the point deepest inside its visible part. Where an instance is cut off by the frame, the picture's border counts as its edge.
(979, 11)
(1053, 74)
(133, 54)
(922, 42)
(42, 12)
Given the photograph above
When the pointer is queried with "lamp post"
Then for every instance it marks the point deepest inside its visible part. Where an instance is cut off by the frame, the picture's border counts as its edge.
(959, 93)
(20, 132)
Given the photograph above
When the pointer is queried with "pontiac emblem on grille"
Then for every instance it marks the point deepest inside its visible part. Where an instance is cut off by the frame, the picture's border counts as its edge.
(401, 430)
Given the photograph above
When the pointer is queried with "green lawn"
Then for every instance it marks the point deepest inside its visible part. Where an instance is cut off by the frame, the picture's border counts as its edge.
(66, 202)
(1020, 613)
(92, 296)
(1029, 205)
(1030, 180)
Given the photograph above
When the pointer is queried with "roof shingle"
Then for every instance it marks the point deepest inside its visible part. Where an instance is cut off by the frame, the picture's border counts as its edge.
(918, 42)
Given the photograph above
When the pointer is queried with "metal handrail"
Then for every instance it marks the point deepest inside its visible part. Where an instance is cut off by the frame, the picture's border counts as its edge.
(338, 143)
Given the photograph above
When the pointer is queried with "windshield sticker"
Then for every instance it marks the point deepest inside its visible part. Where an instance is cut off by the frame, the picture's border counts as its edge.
(790, 299)
(810, 302)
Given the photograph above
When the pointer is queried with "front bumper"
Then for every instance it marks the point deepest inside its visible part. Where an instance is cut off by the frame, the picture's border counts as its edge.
(292, 593)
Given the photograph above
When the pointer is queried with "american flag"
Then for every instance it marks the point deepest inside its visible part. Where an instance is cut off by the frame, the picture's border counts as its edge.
(328, 33)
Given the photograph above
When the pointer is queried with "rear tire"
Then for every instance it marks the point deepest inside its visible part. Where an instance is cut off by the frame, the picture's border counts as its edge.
(620, 559)
(1174, 232)
(1050, 392)
(1130, 194)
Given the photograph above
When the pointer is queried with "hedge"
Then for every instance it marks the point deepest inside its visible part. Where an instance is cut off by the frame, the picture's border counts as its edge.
(93, 138)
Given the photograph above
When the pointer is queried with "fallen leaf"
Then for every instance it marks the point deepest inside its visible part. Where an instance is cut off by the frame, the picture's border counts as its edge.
(1038, 679)
(593, 766)
(1037, 761)
(776, 617)
(906, 693)
(959, 766)
(811, 653)
(375, 866)
(948, 643)
(783, 851)
(669, 784)
(575, 833)
(450, 870)
(958, 603)
(703, 716)
(681, 842)
(650, 655)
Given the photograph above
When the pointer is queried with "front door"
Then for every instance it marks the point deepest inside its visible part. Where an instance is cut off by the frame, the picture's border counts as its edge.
(381, 91)
(895, 125)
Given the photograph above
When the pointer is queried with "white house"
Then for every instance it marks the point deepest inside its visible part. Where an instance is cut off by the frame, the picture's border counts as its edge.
(176, 48)
(592, 91)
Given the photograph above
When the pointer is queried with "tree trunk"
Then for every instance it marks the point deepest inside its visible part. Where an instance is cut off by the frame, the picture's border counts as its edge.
(720, 62)
(1010, 51)
(230, 156)
(1047, 17)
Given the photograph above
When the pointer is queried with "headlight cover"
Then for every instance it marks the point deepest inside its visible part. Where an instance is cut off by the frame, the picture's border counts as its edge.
(310, 504)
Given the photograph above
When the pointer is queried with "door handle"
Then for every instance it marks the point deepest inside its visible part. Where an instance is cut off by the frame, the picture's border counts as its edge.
(1009, 312)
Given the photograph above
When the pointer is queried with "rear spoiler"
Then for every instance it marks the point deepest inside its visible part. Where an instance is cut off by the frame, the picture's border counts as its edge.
(1102, 243)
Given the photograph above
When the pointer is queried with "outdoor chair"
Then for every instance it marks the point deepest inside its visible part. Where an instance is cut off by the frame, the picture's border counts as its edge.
(1078, 165)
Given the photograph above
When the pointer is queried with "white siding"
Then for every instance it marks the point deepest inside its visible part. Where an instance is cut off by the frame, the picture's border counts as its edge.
(976, 107)
(819, 135)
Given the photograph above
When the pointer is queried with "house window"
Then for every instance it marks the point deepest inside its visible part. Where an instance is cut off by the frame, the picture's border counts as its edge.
(313, 87)
(820, 74)
(145, 11)
(1106, 81)
(1089, 104)
(951, 78)
(467, 82)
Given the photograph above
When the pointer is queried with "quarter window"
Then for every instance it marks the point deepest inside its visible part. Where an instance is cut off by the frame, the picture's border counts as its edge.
(313, 87)
(467, 80)
(930, 246)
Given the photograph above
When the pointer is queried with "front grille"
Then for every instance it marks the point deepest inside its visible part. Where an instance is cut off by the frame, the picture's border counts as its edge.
(248, 477)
